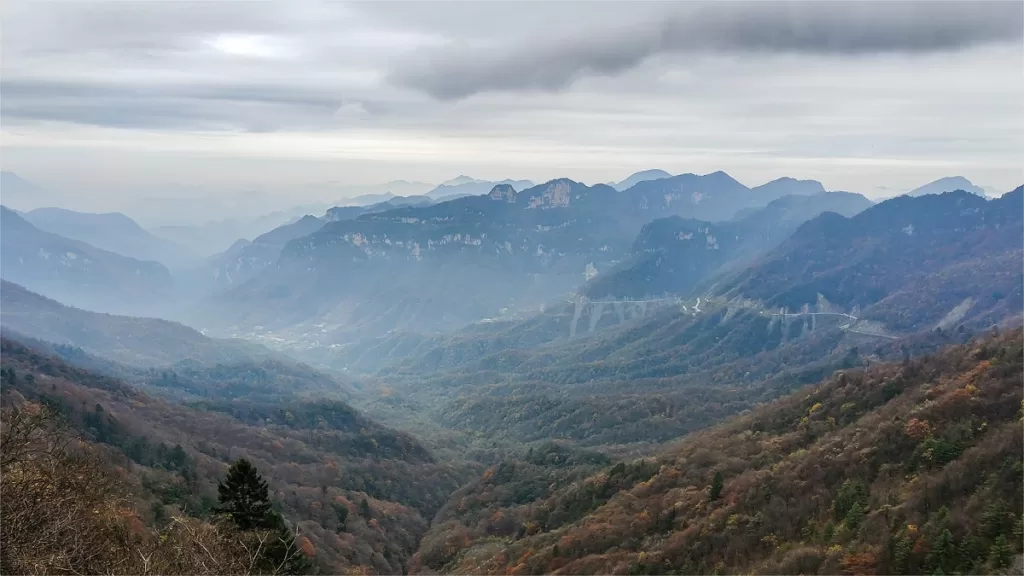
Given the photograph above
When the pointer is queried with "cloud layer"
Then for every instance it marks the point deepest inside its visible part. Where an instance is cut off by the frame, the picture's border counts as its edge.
(113, 100)
(834, 28)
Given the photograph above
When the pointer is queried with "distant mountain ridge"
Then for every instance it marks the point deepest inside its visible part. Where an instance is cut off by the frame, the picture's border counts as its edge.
(110, 231)
(891, 249)
(77, 272)
(466, 186)
(948, 184)
(642, 176)
(675, 255)
(959, 265)
(245, 259)
(126, 339)
(23, 195)
(410, 268)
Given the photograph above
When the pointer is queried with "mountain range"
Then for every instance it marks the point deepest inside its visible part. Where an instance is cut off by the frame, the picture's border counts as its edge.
(466, 186)
(834, 279)
(76, 272)
(411, 268)
(113, 232)
(675, 255)
(689, 375)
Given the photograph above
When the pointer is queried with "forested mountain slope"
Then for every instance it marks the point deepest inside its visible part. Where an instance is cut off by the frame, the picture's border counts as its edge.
(905, 468)
(901, 244)
(694, 361)
(360, 492)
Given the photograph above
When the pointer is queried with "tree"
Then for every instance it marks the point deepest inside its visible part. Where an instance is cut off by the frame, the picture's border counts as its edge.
(342, 511)
(1000, 554)
(850, 493)
(943, 549)
(716, 486)
(855, 517)
(244, 497)
(364, 509)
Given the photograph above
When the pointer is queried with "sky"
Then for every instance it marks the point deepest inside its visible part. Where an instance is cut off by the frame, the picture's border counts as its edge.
(118, 103)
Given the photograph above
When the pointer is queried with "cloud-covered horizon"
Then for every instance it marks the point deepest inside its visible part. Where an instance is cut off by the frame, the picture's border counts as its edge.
(120, 101)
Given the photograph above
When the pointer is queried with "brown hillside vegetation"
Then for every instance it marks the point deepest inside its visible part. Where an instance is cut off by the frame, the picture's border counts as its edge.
(361, 494)
(908, 468)
(65, 510)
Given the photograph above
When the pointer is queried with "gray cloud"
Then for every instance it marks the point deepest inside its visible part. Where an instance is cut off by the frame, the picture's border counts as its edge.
(247, 106)
(823, 28)
(116, 99)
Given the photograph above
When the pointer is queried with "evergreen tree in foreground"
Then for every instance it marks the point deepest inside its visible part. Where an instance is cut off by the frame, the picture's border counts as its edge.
(244, 497)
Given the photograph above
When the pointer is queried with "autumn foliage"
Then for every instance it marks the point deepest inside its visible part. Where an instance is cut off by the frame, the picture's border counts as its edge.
(912, 467)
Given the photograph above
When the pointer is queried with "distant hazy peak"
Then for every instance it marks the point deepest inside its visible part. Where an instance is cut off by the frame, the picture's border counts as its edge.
(790, 186)
(641, 176)
(54, 214)
(947, 184)
(460, 179)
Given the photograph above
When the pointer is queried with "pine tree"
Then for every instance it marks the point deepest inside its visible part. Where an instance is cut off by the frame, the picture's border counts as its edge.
(901, 556)
(943, 549)
(716, 486)
(244, 497)
(1000, 554)
(855, 517)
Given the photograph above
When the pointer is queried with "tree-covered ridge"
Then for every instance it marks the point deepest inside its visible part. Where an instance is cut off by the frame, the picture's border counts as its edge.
(889, 247)
(675, 256)
(911, 467)
(320, 458)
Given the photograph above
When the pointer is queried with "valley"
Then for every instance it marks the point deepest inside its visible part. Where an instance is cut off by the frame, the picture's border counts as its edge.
(511, 288)
(568, 379)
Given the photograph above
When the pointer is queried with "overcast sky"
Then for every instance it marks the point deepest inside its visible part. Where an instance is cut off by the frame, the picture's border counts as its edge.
(114, 101)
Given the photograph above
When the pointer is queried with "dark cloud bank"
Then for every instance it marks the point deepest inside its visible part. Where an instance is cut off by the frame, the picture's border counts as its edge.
(824, 28)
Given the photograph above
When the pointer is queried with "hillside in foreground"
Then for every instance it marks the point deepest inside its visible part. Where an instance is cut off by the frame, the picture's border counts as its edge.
(359, 492)
(904, 468)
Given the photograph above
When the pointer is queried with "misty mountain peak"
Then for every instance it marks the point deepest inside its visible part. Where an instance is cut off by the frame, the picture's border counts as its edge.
(947, 184)
(786, 186)
(641, 176)
(460, 179)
